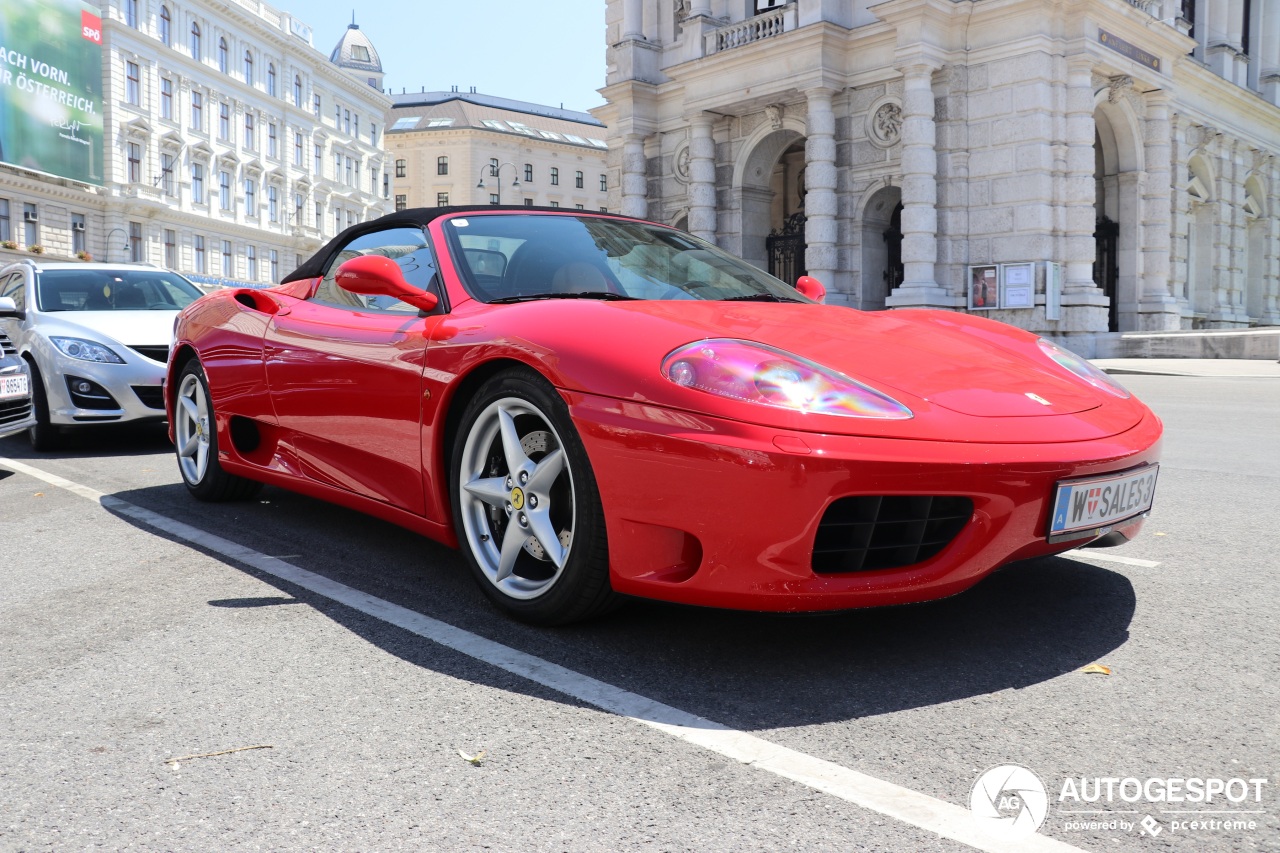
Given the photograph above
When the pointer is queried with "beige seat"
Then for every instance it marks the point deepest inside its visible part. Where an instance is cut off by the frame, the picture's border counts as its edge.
(578, 277)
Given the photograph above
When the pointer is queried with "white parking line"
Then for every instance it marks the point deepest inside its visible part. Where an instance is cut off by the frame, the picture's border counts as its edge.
(1078, 554)
(902, 804)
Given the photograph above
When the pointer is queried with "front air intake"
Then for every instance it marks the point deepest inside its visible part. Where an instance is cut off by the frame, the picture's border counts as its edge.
(870, 532)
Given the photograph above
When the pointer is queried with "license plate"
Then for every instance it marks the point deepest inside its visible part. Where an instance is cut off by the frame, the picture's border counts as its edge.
(14, 386)
(1089, 505)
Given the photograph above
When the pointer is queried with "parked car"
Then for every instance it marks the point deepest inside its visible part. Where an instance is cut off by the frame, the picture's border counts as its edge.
(95, 338)
(16, 413)
(591, 405)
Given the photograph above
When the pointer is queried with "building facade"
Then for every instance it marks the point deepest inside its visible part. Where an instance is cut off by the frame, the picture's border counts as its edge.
(1074, 169)
(231, 147)
(462, 148)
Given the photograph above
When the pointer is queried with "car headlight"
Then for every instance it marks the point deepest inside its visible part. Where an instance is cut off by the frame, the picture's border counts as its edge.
(86, 350)
(760, 374)
(1082, 368)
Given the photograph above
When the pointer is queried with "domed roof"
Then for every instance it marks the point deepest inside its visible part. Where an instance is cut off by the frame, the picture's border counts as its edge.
(355, 52)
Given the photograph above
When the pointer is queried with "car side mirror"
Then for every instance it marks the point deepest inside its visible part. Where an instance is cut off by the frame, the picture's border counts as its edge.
(375, 275)
(9, 308)
(811, 287)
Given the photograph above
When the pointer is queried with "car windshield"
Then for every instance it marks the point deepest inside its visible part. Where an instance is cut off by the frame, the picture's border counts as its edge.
(514, 257)
(114, 290)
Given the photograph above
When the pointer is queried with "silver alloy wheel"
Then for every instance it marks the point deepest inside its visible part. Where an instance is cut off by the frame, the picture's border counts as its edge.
(191, 428)
(517, 498)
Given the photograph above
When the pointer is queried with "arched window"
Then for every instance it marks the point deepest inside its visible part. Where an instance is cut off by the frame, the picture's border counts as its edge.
(166, 28)
(442, 165)
(195, 40)
(248, 68)
(222, 54)
(271, 79)
(297, 90)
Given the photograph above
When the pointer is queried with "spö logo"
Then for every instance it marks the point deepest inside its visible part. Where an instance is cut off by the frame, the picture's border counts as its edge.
(1009, 801)
(91, 27)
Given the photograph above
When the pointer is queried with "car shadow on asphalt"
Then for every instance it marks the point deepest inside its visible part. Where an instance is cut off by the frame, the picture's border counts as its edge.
(1023, 625)
(102, 440)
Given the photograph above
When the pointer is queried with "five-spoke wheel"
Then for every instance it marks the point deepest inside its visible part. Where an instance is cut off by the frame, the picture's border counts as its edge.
(196, 441)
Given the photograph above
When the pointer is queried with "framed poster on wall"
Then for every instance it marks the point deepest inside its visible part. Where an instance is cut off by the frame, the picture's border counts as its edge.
(1018, 285)
(984, 287)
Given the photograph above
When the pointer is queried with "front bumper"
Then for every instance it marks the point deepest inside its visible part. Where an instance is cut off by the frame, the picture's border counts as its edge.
(126, 392)
(725, 514)
(16, 413)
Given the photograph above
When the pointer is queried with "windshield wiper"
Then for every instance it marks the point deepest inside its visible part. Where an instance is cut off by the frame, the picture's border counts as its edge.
(757, 297)
(605, 295)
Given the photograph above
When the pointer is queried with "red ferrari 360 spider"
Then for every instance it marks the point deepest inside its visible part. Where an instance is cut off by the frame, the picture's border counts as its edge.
(590, 405)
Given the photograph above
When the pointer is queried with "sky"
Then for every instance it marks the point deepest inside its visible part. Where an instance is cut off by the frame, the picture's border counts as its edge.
(549, 52)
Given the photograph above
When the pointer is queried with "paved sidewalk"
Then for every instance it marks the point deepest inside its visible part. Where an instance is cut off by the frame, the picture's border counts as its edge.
(1220, 367)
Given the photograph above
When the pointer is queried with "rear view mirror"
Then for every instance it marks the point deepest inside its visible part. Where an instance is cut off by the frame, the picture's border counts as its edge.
(811, 287)
(375, 275)
(9, 308)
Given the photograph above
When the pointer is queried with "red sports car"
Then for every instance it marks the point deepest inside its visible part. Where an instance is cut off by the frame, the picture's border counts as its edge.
(591, 405)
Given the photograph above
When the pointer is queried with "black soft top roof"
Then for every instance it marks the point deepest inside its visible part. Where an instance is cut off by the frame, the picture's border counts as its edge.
(419, 217)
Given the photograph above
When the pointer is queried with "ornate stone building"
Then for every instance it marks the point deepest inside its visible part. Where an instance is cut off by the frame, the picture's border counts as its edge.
(232, 147)
(1110, 165)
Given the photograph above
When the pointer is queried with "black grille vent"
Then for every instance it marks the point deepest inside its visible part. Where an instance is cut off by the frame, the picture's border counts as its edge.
(12, 411)
(6, 345)
(160, 354)
(152, 396)
(865, 533)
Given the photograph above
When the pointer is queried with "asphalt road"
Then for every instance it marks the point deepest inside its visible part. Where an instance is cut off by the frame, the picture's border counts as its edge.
(124, 647)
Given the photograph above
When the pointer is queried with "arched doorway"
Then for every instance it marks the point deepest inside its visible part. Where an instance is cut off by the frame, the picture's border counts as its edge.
(881, 248)
(1117, 258)
(769, 182)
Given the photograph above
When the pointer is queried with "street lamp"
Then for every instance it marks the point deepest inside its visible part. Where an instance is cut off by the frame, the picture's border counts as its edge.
(124, 248)
(495, 172)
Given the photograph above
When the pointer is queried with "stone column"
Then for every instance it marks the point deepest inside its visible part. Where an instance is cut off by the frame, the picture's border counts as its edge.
(1180, 202)
(632, 20)
(1271, 251)
(820, 187)
(919, 194)
(1083, 303)
(635, 188)
(1157, 306)
(702, 178)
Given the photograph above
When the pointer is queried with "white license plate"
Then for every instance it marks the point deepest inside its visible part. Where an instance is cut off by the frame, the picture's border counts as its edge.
(1085, 506)
(14, 386)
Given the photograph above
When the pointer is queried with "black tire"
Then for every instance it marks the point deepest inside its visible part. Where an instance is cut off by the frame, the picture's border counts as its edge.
(43, 435)
(196, 442)
(559, 503)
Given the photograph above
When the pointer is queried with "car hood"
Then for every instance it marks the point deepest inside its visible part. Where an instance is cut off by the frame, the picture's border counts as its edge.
(964, 378)
(131, 328)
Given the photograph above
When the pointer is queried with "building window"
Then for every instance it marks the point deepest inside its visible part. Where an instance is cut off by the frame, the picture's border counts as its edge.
(337, 166)
(131, 13)
(166, 26)
(197, 111)
(166, 173)
(350, 166)
(604, 183)
(297, 91)
(132, 84)
(337, 220)
(251, 198)
(319, 216)
(134, 151)
(200, 262)
(166, 98)
(135, 242)
(274, 261)
(224, 190)
(346, 115)
(197, 183)
(222, 55)
(555, 204)
(402, 202)
(251, 261)
(401, 168)
(318, 165)
(273, 204)
(315, 106)
(273, 144)
(297, 148)
(195, 41)
(493, 167)
(578, 206)
(442, 199)
(248, 68)
(577, 180)
(355, 126)
(555, 177)
(528, 202)
(528, 173)
(493, 198)
(5, 232)
(31, 224)
(373, 134)
(226, 258)
(78, 241)
(297, 209)
(248, 130)
(170, 248)
(224, 121)
(373, 179)
(271, 79)
(442, 165)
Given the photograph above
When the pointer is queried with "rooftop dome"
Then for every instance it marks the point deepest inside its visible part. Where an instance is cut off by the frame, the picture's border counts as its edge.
(355, 52)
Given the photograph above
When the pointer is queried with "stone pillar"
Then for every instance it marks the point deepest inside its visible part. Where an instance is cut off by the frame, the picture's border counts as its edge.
(635, 187)
(1228, 305)
(919, 287)
(702, 178)
(1084, 306)
(820, 187)
(1271, 251)
(1180, 233)
(1157, 306)
(632, 20)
